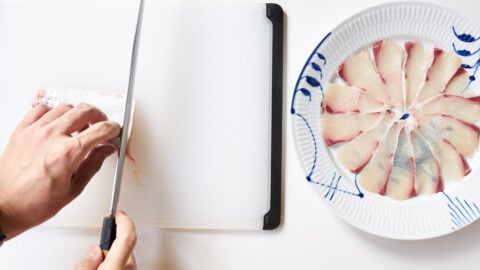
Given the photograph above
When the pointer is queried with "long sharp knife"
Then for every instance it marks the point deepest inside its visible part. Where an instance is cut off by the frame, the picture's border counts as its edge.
(109, 229)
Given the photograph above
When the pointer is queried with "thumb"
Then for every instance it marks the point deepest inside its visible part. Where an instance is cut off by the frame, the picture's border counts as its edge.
(92, 259)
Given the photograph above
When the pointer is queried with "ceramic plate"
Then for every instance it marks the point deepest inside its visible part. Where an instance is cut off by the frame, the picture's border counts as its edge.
(421, 216)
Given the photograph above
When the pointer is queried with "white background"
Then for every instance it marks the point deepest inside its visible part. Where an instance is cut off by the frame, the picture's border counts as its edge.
(310, 237)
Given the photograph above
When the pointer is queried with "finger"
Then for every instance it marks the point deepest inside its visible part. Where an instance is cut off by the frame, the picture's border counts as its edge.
(91, 261)
(89, 166)
(33, 115)
(77, 118)
(96, 134)
(124, 243)
(54, 114)
(131, 263)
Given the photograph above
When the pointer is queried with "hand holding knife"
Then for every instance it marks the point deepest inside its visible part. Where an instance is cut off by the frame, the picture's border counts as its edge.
(109, 225)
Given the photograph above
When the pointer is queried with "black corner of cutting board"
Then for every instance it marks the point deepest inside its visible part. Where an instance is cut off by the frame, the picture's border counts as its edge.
(272, 218)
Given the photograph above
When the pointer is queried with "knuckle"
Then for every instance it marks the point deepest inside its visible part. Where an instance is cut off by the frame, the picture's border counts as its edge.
(108, 127)
(83, 265)
(65, 106)
(40, 107)
(60, 155)
(86, 108)
(62, 108)
(104, 127)
(75, 145)
(131, 266)
(131, 238)
(91, 111)
(47, 132)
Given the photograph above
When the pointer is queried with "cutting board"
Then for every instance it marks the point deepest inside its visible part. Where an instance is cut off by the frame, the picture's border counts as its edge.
(206, 138)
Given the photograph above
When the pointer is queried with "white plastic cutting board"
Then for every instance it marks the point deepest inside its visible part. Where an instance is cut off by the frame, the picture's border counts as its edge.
(201, 135)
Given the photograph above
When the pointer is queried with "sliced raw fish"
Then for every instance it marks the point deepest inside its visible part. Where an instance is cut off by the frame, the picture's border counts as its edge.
(343, 127)
(428, 179)
(416, 67)
(445, 65)
(458, 85)
(355, 154)
(462, 135)
(453, 165)
(401, 184)
(374, 176)
(344, 98)
(389, 61)
(403, 119)
(465, 109)
(358, 70)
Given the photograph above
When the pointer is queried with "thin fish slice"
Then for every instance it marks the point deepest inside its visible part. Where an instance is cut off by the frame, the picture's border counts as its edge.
(445, 65)
(354, 155)
(389, 62)
(374, 177)
(359, 71)
(464, 109)
(453, 165)
(343, 127)
(344, 98)
(401, 184)
(428, 179)
(416, 68)
(458, 85)
(462, 135)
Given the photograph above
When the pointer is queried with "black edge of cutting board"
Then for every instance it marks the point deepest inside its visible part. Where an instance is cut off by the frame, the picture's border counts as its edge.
(272, 218)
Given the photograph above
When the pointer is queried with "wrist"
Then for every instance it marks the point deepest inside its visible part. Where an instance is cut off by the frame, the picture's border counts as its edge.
(3, 237)
(10, 224)
(3, 225)
(8, 228)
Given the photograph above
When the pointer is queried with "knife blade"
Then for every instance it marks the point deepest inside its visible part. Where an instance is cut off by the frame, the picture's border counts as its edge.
(109, 226)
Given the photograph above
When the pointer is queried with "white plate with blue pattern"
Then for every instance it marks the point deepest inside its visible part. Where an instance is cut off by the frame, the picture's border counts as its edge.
(420, 217)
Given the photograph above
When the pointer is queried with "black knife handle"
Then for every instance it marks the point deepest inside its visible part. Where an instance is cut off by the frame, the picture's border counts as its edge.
(109, 233)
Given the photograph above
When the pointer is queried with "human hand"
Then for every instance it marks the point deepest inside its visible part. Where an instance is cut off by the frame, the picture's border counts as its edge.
(120, 256)
(44, 167)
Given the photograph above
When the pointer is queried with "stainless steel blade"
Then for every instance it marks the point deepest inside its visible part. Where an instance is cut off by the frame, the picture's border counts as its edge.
(127, 114)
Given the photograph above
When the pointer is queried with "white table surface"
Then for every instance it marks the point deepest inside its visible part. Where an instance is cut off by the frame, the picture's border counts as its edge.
(310, 236)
